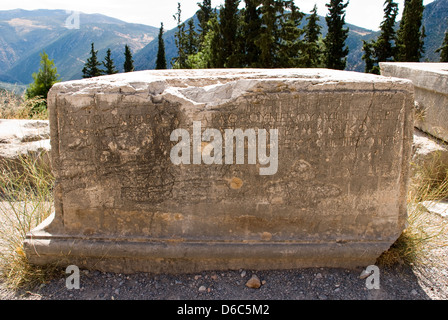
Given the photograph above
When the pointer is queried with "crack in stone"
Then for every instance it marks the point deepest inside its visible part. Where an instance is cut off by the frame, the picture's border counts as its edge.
(363, 124)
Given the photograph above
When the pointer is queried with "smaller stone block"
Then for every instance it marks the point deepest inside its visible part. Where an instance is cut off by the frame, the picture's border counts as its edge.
(431, 93)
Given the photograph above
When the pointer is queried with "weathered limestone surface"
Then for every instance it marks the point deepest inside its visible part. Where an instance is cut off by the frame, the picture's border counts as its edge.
(431, 93)
(338, 198)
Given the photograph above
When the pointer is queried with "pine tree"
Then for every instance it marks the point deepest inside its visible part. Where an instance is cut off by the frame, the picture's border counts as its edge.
(108, 63)
(44, 79)
(335, 50)
(250, 28)
(267, 40)
(312, 53)
(191, 39)
(207, 55)
(410, 43)
(368, 48)
(443, 50)
(128, 65)
(204, 15)
(422, 40)
(213, 40)
(384, 49)
(179, 62)
(229, 27)
(161, 59)
(91, 68)
(290, 46)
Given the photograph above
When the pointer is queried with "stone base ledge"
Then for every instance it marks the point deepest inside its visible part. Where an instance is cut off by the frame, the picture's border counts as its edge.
(189, 256)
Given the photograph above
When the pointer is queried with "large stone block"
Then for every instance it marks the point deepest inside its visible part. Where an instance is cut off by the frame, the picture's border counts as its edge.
(151, 178)
(431, 93)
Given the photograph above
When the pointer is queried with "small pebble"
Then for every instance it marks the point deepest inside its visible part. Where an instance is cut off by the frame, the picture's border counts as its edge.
(364, 274)
(254, 282)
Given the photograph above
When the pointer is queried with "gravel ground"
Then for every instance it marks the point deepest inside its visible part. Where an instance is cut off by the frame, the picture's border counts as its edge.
(398, 283)
(401, 282)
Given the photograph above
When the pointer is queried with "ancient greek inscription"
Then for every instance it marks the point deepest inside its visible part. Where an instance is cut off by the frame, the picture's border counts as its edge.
(152, 150)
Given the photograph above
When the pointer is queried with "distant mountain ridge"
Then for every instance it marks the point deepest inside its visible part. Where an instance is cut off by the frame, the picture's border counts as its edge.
(24, 34)
(435, 20)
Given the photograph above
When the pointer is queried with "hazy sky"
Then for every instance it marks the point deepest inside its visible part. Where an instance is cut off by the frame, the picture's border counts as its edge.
(363, 13)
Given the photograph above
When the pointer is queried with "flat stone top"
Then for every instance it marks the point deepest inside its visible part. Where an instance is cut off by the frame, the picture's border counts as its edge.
(214, 76)
(429, 75)
(437, 67)
(212, 87)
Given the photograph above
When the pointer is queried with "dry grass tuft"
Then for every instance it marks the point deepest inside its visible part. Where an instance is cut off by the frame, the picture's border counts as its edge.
(26, 199)
(13, 106)
(425, 232)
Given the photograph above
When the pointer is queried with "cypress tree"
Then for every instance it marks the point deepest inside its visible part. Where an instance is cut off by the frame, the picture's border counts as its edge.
(335, 50)
(128, 62)
(161, 59)
(91, 68)
(108, 63)
(384, 49)
(410, 43)
(250, 29)
(443, 50)
(312, 53)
